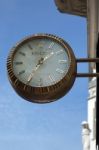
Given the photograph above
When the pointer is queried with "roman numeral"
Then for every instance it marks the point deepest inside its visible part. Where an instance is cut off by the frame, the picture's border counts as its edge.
(22, 53)
(21, 72)
(51, 45)
(59, 70)
(40, 82)
(30, 47)
(18, 63)
(51, 78)
(62, 61)
(59, 52)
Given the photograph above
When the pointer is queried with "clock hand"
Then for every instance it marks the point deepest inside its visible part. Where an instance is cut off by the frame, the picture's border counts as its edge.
(34, 70)
(32, 73)
(38, 65)
(48, 56)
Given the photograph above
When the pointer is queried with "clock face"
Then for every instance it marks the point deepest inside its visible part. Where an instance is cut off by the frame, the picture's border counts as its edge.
(41, 62)
(41, 68)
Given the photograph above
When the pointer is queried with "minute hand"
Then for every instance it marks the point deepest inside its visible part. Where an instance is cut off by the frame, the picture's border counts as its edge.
(32, 73)
(48, 56)
(38, 65)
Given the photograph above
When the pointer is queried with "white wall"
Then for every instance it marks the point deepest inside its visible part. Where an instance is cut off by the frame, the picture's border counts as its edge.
(92, 114)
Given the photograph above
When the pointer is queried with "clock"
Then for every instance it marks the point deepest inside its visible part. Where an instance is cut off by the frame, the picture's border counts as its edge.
(41, 68)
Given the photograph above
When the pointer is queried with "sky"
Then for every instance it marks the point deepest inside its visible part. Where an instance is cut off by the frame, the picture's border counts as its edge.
(26, 125)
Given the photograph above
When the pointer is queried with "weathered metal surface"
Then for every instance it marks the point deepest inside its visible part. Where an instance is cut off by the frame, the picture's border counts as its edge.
(74, 7)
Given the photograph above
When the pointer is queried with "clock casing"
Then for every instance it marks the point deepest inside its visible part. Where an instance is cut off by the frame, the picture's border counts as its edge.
(42, 93)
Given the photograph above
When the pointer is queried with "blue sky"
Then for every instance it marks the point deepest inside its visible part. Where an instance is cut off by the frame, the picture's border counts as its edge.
(53, 126)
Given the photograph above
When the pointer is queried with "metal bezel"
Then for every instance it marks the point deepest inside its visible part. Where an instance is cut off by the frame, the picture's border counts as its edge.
(48, 93)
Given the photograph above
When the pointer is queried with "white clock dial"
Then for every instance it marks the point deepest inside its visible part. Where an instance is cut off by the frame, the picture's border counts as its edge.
(41, 62)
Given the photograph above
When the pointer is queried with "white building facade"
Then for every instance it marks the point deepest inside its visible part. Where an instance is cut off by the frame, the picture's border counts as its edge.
(92, 113)
(89, 126)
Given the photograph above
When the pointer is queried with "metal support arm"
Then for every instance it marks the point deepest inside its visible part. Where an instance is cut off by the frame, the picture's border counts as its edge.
(82, 60)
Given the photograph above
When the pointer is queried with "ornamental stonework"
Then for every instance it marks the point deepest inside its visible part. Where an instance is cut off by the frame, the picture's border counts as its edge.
(75, 7)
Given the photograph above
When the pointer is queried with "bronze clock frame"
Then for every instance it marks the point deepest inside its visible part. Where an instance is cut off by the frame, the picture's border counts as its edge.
(48, 93)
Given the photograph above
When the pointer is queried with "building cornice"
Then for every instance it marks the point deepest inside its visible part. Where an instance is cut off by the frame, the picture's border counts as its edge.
(74, 7)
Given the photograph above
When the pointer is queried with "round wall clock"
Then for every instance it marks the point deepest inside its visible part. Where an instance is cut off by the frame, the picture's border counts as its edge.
(41, 68)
